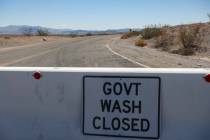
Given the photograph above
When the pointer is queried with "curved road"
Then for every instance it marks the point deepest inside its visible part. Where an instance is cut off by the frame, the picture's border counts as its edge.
(95, 51)
(83, 52)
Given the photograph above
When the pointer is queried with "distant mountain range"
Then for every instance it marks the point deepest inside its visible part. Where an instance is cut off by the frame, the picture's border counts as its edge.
(24, 29)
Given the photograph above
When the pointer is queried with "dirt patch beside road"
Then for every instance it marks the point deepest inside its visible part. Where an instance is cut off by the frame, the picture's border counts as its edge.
(186, 40)
(156, 58)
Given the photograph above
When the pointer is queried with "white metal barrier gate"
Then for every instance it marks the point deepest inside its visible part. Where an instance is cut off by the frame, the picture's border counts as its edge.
(104, 103)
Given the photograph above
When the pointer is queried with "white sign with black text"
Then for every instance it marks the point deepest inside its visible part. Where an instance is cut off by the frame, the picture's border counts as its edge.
(121, 106)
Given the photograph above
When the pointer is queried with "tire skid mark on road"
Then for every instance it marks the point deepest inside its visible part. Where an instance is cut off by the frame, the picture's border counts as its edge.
(126, 58)
(23, 46)
(37, 44)
(28, 57)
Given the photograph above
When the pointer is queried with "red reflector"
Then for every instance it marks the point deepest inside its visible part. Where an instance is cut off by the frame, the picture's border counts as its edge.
(37, 75)
(207, 78)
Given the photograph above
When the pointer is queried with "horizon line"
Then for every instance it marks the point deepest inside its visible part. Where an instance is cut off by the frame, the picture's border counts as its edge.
(120, 28)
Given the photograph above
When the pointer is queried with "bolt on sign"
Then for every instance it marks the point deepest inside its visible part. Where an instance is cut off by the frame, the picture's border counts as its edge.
(121, 106)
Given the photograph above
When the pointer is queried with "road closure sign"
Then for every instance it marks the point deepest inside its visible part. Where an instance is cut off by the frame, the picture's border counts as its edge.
(121, 106)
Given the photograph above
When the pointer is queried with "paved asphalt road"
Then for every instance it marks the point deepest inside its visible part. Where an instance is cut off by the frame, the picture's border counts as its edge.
(85, 52)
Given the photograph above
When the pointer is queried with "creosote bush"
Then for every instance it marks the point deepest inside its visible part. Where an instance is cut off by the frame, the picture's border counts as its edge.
(190, 37)
(164, 41)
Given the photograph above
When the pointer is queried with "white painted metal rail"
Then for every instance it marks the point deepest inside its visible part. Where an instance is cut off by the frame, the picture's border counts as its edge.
(48, 103)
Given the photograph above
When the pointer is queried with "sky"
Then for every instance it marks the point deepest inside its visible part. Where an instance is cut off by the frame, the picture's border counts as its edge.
(102, 14)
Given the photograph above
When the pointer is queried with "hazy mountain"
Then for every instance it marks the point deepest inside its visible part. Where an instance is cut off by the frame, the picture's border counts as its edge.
(23, 29)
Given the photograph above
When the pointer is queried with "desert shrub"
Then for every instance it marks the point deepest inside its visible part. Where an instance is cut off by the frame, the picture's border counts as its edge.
(166, 26)
(140, 43)
(73, 35)
(41, 32)
(89, 34)
(6, 37)
(152, 31)
(190, 37)
(164, 41)
(130, 34)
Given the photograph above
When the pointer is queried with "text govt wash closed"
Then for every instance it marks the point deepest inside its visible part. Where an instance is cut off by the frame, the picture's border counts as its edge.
(121, 106)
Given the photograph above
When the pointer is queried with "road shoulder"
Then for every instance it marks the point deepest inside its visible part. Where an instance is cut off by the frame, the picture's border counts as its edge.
(155, 58)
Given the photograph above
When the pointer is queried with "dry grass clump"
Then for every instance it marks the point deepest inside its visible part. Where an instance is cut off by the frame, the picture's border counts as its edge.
(152, 31)
(130, 34)
(140, 43)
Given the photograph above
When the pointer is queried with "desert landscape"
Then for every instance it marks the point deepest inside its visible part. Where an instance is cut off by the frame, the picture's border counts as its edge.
(191, 41)
(156, 46)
